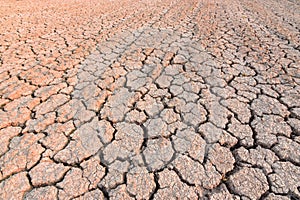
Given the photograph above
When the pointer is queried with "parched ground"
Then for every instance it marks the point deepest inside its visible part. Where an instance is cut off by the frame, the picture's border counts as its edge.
(150, 99)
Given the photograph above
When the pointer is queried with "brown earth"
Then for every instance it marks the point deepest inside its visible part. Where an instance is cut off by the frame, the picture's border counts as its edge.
(160, 99)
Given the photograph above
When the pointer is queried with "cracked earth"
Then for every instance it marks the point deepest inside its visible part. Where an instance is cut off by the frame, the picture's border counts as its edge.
(173, 99)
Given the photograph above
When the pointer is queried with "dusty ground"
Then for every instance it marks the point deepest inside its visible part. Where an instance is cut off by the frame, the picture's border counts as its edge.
(150, 99)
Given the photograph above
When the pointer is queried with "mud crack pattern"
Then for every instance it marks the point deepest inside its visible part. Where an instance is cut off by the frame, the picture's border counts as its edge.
(150, 100)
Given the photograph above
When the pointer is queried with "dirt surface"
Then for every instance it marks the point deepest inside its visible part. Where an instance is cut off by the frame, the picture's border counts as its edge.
(157, 99)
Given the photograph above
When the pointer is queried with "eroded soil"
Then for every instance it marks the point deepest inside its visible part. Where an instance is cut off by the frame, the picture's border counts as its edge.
(160, 99)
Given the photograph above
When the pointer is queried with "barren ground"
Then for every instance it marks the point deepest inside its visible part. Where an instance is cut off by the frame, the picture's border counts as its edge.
(150, 99)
